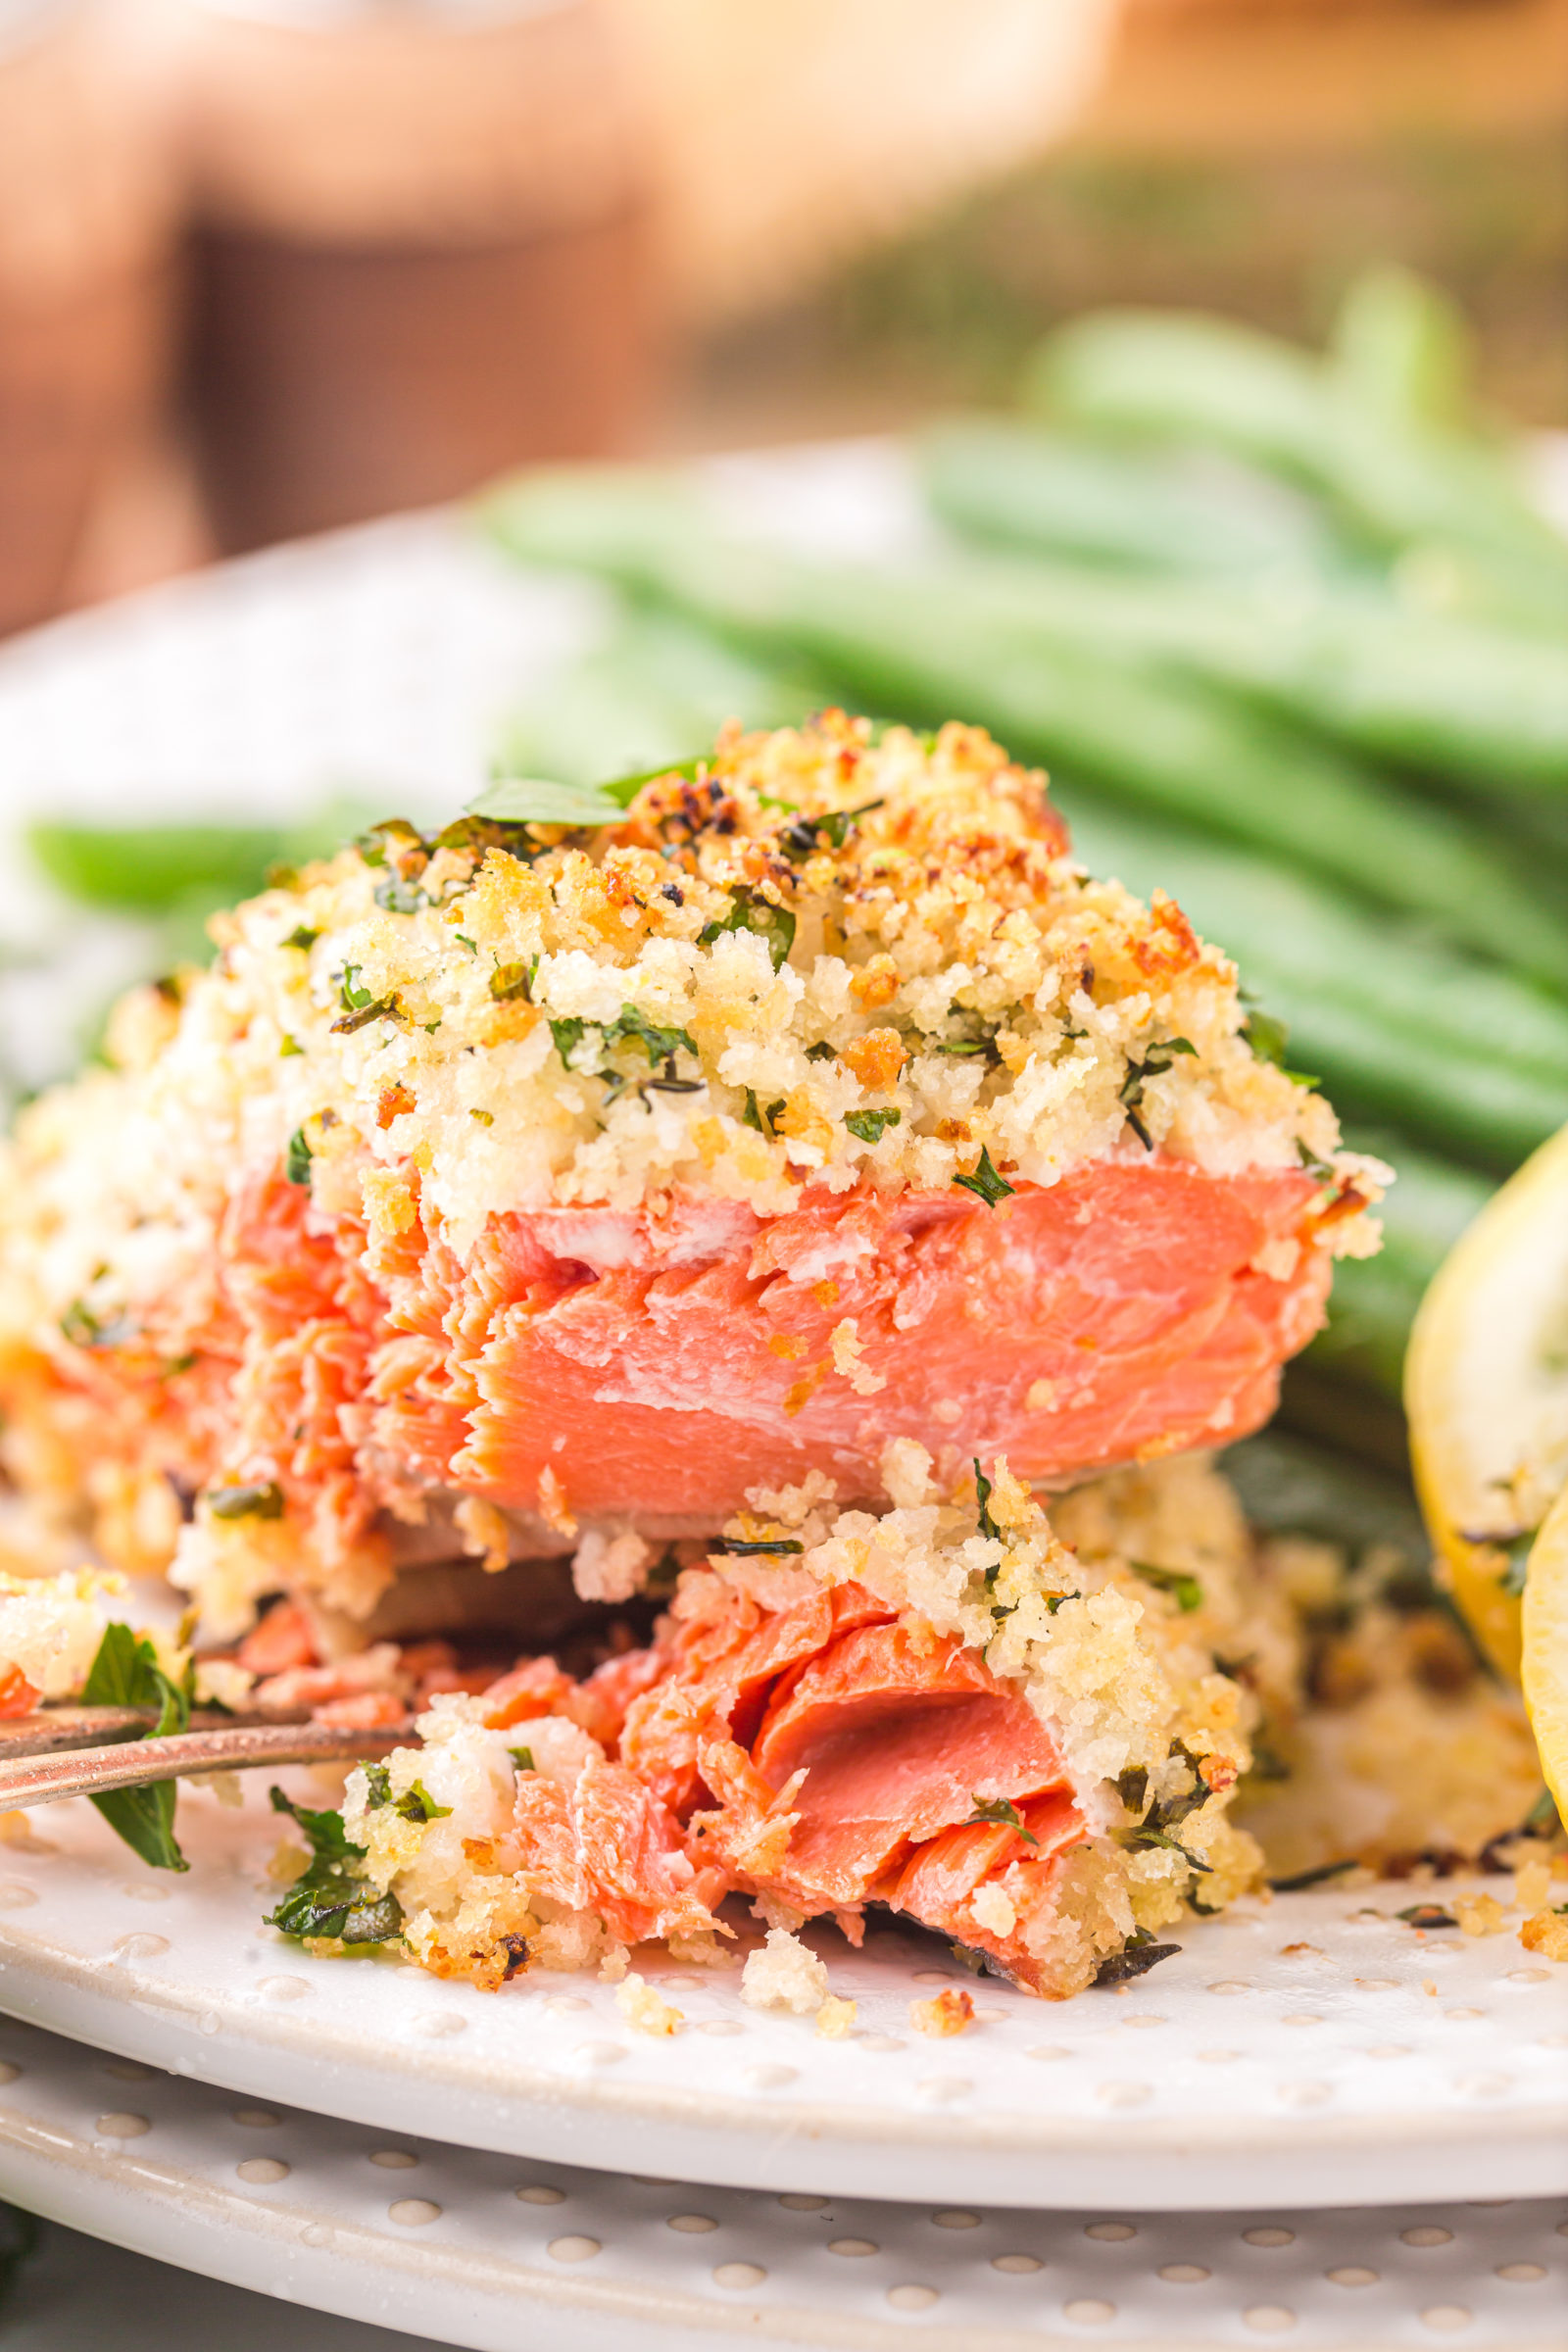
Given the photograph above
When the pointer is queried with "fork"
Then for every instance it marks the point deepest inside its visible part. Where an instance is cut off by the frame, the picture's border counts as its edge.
(83, 1751)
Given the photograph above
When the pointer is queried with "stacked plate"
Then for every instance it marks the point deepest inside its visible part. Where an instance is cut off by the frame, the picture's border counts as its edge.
(1316, 2121)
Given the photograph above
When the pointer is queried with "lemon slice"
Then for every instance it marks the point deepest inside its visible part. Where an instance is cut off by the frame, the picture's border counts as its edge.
(1545, 1649)
(1485, 1390)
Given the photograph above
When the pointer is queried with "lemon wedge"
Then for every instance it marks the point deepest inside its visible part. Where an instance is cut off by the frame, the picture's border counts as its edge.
(1486, 1392)
(1545, 1649)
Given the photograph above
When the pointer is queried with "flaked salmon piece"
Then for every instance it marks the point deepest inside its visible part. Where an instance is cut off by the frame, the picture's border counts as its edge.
(17, 1697)
(864, 1781)
(1071, 1327)
(943, 1711)
(901, 1735)
(280, 1639)
(598, 1705)
(536, 1686)
(820, 1750)
(939, 1882)
(718, 1667)
(748, 1831)
(365, 1711)
(604, 1699)
(376, 1671)
(608, 1846)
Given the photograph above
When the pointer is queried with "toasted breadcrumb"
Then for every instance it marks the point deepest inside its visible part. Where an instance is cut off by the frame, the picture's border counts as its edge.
(223, 1682)
(287, 1861)
(1531, 1885)
(1547, 1931)
(485, 1534)
(18, 1830)
(644, 2010)
(224, 1786)
(783, 1975)
(1108, 1657)
(949, 915)
(993, 1908)
(1479, 1914)
(50, 1627)
(836, 2018)
(609, 1567)
(951, 2011)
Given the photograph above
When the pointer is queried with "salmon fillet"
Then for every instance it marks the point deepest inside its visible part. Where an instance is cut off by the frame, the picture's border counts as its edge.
(1122, 1311)
(517, 1191)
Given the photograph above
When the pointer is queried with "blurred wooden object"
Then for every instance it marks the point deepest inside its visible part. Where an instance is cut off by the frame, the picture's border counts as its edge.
(87, 276)
(419, 253)
(1188, 75)
(788, 135)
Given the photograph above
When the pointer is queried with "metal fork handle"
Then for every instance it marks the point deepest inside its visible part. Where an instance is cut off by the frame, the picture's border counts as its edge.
(50, 1729)
(91, 1771)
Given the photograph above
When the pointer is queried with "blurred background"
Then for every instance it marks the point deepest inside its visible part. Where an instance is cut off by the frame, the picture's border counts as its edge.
(271, 266)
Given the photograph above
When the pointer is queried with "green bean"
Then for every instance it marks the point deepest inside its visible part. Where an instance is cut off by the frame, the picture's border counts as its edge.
(1400, 345)
(150, 869)
(1400, 481)
(1290, 1486)
(1023, 486)
(1464, 699)
(934, 641)
(178, 870)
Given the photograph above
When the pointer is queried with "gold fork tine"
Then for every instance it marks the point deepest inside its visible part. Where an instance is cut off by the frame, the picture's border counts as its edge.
(40, 1779)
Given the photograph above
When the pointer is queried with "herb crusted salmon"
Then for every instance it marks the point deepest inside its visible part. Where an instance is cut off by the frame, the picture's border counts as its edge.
(550, 1187)
(941, 1712)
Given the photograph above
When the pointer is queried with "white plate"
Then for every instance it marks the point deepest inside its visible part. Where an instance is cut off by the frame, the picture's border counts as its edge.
(1301, 2052)
(483, 2251)
(380, 658)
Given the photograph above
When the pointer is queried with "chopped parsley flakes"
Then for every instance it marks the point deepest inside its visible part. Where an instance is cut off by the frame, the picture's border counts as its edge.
(985, 1181)
(1184, 1589)
(1002, 1814)
(125, 1672)
(630, 1026)
(327, 1900)
(414, 1804)
(246, 1501)
(982, 1489)
(871, 1125)
(1312, 1877)
(510, 980)
(1154, 1063)
(1269, 1039)
(1138, 1955)
(751, 912)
